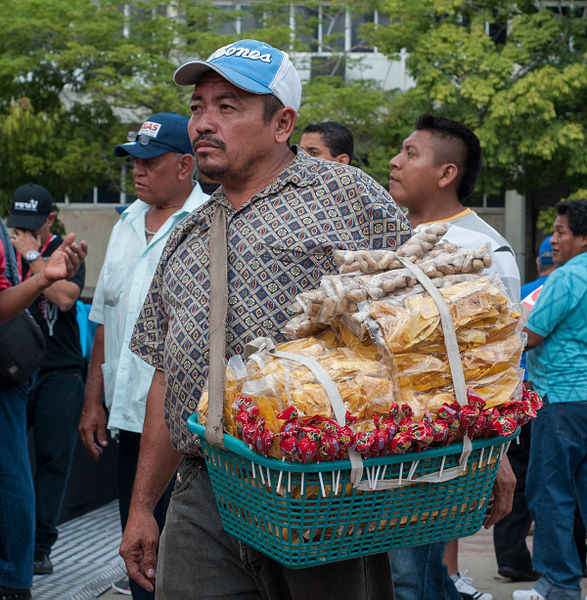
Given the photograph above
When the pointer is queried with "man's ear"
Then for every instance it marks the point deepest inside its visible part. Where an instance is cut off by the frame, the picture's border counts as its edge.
(344, 159)
(284, 120)
(185, 166)
(448, 174)
(50, 219)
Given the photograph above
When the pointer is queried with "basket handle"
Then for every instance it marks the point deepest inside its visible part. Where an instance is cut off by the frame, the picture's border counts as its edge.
(448, 330)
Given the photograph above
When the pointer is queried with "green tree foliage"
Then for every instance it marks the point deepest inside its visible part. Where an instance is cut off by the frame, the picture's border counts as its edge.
(75, 76)
(515, 73)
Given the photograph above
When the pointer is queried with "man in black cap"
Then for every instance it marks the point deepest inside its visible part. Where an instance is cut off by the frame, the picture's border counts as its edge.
(56, 394)
(163, 171)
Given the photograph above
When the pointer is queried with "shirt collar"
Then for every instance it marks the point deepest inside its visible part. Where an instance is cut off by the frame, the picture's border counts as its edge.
(196, 199)
(300, 172)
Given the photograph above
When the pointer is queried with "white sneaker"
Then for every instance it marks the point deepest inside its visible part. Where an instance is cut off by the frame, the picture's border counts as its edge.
(527, 595)
(466, 590)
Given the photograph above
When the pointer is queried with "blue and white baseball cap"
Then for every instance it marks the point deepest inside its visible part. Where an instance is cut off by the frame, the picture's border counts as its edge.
(545, 252)
(161, 133)
(252, 66)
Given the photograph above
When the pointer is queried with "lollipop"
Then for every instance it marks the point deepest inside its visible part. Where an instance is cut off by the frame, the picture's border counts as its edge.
(291, 426)
(363, 441)
(534, 398)
(389, 423)
(440, 430)
(407, 421)
(250, 431)
(505, 426)
(401, 442)
(423, 433)
(381, 438)
(346, 437)
(263, 438)
(309, 443)
(329, 443)
(472, 411)
(289, 446)
(246, 417)
(448, 412)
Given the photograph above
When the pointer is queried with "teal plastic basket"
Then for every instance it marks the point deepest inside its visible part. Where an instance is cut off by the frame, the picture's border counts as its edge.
(304, 515)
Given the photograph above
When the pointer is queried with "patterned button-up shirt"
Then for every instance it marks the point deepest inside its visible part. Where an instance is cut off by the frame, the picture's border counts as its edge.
(280, 243)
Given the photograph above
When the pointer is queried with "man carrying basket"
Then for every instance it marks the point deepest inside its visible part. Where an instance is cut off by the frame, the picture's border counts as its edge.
(269, 231)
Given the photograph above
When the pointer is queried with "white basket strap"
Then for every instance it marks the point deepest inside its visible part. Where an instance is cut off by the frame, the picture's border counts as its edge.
(448, 329)
(436, 477)
(267, 345)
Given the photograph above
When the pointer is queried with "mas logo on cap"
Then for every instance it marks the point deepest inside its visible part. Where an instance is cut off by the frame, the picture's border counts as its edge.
(150, 128)
(252, 66)
(160, 133)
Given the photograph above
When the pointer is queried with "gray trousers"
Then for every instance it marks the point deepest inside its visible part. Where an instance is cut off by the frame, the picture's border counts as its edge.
(198, 560)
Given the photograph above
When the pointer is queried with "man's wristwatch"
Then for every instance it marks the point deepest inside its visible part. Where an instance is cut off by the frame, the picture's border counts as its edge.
(32, 255)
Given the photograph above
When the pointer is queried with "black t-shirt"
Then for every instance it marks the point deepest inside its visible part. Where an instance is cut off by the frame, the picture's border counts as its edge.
(60, 328)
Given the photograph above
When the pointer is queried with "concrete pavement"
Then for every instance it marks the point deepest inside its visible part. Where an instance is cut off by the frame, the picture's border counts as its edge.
(476, 558)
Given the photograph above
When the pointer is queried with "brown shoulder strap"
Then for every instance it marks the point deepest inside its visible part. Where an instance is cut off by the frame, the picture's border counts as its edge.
(217, 327)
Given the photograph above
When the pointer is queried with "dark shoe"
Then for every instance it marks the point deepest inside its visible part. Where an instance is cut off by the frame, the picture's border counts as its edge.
(42, 564)
(122, 586)
(12, 594)
(519, 574)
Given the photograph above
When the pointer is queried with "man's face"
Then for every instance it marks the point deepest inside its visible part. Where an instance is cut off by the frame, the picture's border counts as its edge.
(414, 171)
(156, 178)
(314, 145)
(565, 245)
(227, 129)
(44, 230)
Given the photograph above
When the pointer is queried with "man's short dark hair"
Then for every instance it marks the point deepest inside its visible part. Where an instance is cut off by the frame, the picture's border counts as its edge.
(576, 211)
(337, 138)
(467, 156)
(271, 104)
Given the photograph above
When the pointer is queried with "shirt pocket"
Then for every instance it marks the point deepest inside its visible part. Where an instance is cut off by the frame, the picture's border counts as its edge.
(115, 280)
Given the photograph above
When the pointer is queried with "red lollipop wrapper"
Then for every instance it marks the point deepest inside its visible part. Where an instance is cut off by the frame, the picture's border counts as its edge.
(289, 447)
(263, 438)
(401, 442)
(440, 430)
(380, 438)
(329, 443)
(423, 434)
(309, 444)
(363, 441)
(292, 426)
(346, 437)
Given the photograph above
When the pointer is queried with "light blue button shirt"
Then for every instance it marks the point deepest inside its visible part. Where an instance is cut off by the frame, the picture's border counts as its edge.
(124, 280)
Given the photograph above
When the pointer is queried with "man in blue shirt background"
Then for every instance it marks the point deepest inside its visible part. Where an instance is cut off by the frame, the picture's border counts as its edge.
(557, 471)
(509, 535)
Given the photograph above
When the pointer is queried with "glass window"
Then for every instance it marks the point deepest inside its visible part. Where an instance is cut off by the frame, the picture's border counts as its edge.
(306, 27)
(357, 43)
(333, 28)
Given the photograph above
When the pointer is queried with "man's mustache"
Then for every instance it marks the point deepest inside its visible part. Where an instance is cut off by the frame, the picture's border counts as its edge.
(211, 140)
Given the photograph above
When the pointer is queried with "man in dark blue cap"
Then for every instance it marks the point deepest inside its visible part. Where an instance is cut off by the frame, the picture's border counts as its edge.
(163, 176)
